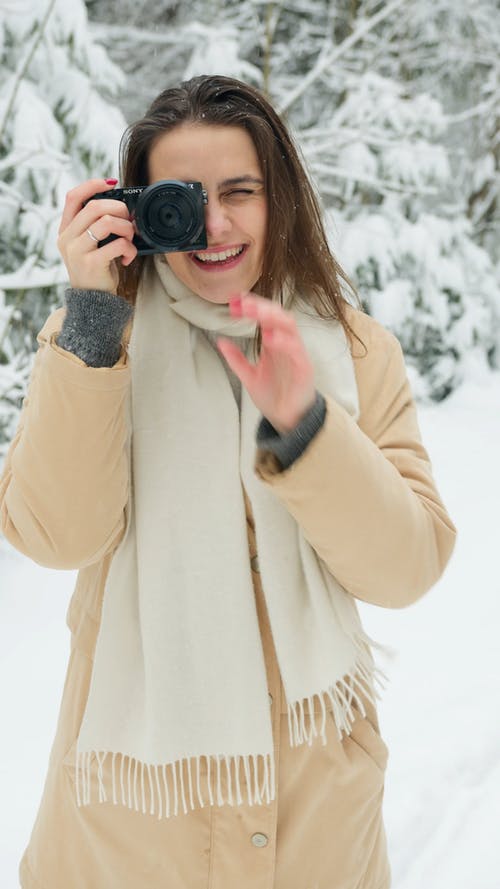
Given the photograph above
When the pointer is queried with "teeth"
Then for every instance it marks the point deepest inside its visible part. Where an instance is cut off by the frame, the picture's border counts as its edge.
(218, 257)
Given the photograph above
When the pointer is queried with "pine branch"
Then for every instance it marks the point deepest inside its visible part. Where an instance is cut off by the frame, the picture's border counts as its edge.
(481, 108)
(29, 276)
(330, 54)
(18, 200)
(24, 65)
(17, 158)
(319, 140)
(382, 186)
(133, 34)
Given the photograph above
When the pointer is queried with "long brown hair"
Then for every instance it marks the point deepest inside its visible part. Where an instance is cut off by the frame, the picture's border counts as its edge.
(297, 250)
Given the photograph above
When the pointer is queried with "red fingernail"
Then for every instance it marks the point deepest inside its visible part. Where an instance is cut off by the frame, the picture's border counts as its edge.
(111, 181)
(235, 302)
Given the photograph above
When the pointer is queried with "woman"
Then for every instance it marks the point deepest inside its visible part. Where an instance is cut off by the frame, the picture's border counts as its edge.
(218, 725)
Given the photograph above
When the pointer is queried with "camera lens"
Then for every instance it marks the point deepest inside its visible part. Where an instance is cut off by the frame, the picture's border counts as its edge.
(167, 215)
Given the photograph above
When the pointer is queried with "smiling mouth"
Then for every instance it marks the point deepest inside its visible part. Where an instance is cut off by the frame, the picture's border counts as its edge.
(219, 260)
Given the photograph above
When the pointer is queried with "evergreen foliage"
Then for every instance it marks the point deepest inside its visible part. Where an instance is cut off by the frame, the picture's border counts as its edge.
(58, 126)
(395, 107)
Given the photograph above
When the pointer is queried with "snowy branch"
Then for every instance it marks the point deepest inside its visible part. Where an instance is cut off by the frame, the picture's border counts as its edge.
(18, 200)
(24, 65)
(334, 134)
(319, 142)
(30, 276)
(138, 35)
(482, 108)
(171, 37)
(383, 186)
(328, 57)
(15, 160)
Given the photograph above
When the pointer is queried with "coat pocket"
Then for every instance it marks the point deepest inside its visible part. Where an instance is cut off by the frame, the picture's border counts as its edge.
(368, 740)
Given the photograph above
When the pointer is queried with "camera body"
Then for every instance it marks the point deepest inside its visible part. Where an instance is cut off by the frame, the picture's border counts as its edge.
(169, 215)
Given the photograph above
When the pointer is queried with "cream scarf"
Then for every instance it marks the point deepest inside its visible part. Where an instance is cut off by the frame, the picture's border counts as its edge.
(179, 674)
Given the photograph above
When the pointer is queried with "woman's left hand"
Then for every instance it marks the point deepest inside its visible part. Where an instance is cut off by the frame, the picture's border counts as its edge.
(281, 384)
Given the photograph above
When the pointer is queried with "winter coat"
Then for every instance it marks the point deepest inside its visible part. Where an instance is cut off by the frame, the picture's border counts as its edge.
(364, 495)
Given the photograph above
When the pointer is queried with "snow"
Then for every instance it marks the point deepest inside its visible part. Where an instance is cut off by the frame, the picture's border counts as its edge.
(217, 52)
(31, 275)
(428, 283)
(439, 714)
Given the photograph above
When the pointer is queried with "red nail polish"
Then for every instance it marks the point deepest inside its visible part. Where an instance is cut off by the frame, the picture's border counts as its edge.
(111, 181)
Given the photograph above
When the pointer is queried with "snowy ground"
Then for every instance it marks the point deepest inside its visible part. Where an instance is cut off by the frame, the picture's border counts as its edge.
(439, 715)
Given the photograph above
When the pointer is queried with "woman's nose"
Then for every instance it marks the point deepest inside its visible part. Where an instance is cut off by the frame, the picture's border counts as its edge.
(217, 220)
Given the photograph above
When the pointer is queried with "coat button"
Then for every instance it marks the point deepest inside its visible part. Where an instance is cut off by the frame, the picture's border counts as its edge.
(254, 562)
(259, 839)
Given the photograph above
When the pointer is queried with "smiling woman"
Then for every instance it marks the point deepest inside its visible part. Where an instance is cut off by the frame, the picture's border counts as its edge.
(218, 725)
(224, 159)
(206, 115)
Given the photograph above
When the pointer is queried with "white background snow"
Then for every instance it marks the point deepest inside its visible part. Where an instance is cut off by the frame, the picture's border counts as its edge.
(439, 714)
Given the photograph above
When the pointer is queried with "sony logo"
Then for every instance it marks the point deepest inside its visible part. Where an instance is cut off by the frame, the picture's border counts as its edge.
(132, 190)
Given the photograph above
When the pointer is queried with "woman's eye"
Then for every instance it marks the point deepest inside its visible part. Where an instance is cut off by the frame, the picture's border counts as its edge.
(241, 191)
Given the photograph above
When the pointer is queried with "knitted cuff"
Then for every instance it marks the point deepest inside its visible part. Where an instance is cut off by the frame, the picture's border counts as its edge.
(290, 446)
(93, 326)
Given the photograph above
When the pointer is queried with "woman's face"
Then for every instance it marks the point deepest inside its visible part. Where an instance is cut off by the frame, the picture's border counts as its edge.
(225, 161)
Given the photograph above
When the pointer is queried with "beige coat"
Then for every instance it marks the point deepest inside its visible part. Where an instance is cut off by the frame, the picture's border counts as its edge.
(365, 498)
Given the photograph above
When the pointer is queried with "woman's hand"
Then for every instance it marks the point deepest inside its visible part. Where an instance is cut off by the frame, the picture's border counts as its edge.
(91, 267)
(281, 384)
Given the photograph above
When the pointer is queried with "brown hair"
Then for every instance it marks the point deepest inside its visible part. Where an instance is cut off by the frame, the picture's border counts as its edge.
(297, 249)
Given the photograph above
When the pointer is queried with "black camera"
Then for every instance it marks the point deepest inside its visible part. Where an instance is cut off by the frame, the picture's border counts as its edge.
(169, 215)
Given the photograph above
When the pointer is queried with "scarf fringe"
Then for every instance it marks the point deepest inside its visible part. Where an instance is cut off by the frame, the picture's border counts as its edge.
(128, 774)
(345, 701)
(128, 784)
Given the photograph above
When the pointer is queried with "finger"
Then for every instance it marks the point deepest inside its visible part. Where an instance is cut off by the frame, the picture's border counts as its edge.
(106, 225)
(236, 360)
(115, 249)
(267, 313)
(89, 215)
(279, 341)
(88, 219)
(76, 197)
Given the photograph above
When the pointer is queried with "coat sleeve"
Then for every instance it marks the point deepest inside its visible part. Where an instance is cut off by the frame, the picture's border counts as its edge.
(64, 484)
(363, 492)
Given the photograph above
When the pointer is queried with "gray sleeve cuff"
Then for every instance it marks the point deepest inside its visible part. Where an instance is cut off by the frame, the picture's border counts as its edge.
(290, 446)
(93, 326)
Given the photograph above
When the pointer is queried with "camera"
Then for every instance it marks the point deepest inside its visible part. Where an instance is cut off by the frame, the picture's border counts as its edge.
(169, 215)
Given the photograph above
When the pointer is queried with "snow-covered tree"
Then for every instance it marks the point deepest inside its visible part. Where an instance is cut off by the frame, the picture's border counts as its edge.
(452, 50)
(380, 155)
(385, 174)
(362, 84)
(394, 105)
(57, 128)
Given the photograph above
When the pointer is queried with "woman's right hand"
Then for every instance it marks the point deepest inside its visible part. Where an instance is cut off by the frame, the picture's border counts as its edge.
(91, 267)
